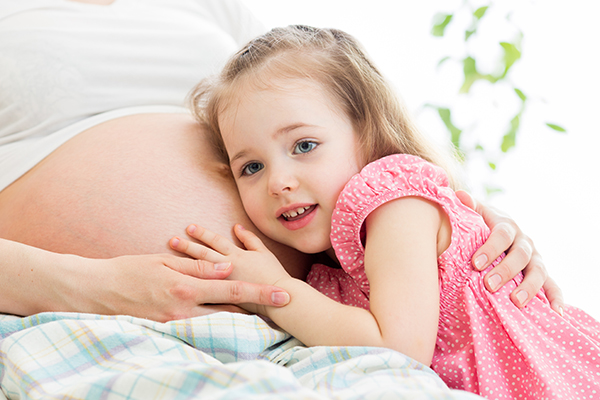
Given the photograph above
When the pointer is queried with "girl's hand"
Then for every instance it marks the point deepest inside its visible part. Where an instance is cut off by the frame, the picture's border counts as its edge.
(521, 255)
(254, 264)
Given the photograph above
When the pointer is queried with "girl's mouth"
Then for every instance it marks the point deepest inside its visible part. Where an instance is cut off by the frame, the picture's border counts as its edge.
(298, 218)
(298, 213)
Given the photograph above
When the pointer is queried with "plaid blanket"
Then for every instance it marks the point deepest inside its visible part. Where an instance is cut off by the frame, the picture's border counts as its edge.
(220, 356)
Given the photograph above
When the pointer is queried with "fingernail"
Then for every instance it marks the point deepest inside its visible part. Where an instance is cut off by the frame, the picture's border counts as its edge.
(480, 261)
(175, 242)
(494, 282)
(522, 296)
(561, 311)
(192, 228)
(221, 266)
(241, 227)
(280, 298)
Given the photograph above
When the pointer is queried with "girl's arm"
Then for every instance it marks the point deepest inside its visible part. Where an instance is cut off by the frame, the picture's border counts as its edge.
(401, 265)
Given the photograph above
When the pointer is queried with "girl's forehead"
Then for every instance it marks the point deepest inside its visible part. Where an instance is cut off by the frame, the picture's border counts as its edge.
(253, 89)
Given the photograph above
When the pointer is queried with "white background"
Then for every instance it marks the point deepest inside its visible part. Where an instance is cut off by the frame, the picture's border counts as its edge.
(550, 180)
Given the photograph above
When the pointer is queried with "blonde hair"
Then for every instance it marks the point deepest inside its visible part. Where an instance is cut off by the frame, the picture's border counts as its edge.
(335, 60)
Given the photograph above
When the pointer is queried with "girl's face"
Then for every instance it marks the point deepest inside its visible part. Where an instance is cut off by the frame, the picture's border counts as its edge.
(292, 150)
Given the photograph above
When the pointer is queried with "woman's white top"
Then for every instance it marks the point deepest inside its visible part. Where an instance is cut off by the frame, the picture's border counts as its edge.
(66, 66)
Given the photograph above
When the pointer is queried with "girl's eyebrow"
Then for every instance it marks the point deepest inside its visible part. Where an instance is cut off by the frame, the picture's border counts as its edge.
(291, 127)
(238, 155)
(281, 131)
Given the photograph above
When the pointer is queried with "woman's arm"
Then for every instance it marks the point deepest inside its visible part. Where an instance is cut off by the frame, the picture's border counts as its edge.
(404, 283)
(521, 255)
(158, 287)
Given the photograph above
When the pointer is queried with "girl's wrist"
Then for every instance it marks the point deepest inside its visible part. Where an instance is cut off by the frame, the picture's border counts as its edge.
(291, 286)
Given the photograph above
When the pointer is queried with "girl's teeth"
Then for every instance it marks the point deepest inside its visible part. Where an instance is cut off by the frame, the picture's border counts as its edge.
(295, 213)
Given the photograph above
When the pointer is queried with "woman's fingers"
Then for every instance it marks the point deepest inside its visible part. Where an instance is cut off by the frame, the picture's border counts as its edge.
(209, 289)
(518, 256)
(521, 252)
(521, 255)
(533, 279)
(239, 292)
(500, 239)
(554, 295)
(467, 199)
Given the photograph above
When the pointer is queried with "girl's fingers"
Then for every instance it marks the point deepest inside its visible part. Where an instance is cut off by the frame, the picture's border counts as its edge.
(195, 250)
(248, 239)
(211, 239)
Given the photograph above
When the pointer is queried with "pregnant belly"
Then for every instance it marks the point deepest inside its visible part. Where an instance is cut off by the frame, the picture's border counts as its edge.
(126, 186)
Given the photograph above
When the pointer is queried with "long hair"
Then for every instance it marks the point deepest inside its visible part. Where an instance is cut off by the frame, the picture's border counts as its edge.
(335, 60)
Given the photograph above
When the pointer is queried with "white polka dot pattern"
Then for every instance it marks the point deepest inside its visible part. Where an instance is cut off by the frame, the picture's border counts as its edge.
(485, 344)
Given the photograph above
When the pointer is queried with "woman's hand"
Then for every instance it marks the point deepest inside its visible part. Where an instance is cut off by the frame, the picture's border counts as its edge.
(521, 255)
(255, 264)
(166, 287)
(160, 287)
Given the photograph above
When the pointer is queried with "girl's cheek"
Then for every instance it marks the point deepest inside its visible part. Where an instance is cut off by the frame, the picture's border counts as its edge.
(251, 204)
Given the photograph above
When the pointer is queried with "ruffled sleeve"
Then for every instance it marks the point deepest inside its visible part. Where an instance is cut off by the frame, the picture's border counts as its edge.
(386, 179)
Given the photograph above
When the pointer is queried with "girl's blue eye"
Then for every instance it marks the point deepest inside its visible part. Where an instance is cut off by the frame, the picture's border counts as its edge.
(252, 168)
(305, 146)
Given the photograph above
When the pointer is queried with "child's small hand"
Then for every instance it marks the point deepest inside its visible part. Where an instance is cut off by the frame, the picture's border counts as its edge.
(255, 264)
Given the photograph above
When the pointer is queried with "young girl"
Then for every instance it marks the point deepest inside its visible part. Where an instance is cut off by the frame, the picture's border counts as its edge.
(326, 161)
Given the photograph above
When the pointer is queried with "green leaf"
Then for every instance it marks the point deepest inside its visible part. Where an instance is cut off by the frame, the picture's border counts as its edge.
(471, 74)
(480, 12)
(439, 27)
(520, 94)
(492, 165)
(443, 60)
(469, 33)
(511, 55)
(557, 128)
(446, 116)
(510, 138)
(490, 190)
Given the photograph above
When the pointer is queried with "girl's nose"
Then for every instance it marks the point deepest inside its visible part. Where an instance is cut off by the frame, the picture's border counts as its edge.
(281, 182)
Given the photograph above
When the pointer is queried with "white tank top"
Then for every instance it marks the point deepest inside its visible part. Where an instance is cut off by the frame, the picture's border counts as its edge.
(66, 66)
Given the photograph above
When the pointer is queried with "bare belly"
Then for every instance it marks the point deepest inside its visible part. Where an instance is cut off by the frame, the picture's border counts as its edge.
(126, 187)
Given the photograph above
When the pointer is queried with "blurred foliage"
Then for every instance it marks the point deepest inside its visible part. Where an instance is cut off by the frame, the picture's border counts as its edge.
(511, 54)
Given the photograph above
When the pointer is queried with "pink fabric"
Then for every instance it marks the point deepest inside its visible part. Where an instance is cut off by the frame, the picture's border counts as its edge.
(485, 344)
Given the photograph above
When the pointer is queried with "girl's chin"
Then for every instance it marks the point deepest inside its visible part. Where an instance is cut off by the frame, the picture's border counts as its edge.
(311, 248)
(306, 246)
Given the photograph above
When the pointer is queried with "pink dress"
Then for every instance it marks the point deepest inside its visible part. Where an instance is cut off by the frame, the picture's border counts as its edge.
(485, 344)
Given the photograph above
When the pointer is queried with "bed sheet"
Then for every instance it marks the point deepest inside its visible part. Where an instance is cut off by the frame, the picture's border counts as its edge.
(220, 356)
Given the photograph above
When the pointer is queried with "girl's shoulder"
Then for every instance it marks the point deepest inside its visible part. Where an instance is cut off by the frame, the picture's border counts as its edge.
(400, 173)
(384, 180)
(404, 165)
